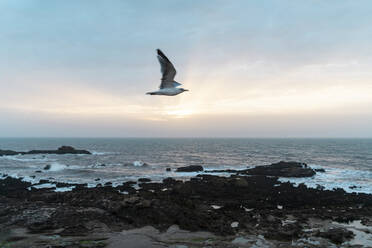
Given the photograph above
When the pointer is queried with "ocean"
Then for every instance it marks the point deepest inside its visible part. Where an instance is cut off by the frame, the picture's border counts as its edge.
(348, 162)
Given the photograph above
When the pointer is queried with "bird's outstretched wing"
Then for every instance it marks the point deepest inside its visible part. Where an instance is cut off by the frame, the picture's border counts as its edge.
(167, 70)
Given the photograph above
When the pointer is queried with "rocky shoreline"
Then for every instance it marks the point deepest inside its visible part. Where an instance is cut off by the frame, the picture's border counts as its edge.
(249, 207)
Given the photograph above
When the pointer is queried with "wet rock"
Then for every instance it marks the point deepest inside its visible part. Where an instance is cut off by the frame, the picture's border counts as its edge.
(12, 187)
(286, 233)
(38, 171)
(191, 168)
(320, 170)
(250, 200)
(78, 230)
(43, 181)
(47, 167)
(62, 185)
(8, 153)
(354, 187)
(60, 150)
(168, 169)
(283, 169)
(144, 180)
(337, 235)
(241, 182)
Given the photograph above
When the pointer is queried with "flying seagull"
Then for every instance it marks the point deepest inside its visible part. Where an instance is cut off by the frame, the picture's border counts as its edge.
(168, 86)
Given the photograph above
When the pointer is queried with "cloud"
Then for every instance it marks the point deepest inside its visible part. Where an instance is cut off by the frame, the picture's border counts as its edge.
(69, 65)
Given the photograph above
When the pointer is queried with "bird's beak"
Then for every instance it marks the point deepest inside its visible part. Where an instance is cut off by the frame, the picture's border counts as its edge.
(185, 90)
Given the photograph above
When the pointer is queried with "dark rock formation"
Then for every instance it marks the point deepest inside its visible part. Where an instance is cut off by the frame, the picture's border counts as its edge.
(144, 180)
(8, 153)
(191, 168)
(60, 150)
(337, 235)
(283, 169)
(259, 204)
(47, 167)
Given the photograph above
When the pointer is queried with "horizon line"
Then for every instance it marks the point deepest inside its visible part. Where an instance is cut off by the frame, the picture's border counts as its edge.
(180, 137)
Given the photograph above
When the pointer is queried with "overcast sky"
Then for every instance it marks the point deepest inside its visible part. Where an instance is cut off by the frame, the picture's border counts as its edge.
(254, 68)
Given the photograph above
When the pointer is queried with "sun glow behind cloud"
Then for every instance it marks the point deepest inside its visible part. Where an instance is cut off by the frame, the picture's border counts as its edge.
(247, 63)
(207, 96)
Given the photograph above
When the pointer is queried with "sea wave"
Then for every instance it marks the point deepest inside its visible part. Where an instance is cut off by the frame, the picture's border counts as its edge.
(55, 166)
(102, 153)
(359, 181)
(21, 158)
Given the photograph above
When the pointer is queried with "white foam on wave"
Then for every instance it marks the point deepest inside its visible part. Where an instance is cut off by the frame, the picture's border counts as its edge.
(359, 181)
(55, 166)
(42, 186)
(64, 189)
(139, 163)
(102, 153)
(52, 185)
(21, 158)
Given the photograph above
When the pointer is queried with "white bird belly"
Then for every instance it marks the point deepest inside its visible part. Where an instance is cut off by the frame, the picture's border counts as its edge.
(167, 92)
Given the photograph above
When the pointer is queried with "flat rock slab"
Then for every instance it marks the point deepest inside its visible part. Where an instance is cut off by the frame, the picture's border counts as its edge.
(150, 237)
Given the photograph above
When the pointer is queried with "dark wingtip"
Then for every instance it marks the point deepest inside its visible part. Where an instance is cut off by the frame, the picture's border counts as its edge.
(161, 54)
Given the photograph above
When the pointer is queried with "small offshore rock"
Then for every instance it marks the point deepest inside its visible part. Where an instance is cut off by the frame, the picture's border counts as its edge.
(354, 187)
(190, 168)
(47, 167)
(283, 169)
(168, 169)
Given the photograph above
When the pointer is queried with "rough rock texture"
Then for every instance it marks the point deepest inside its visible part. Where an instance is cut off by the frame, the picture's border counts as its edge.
(281, 169)
(337, 235)
(190, 168)
(60, 150)
(253, 206)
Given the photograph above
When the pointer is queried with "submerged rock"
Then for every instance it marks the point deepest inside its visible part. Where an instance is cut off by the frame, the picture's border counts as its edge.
(191, 168)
